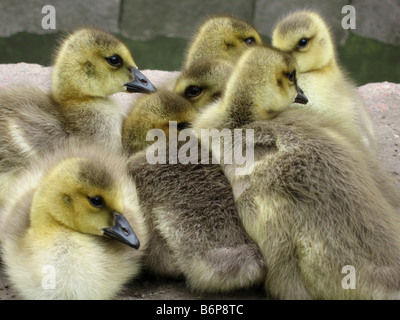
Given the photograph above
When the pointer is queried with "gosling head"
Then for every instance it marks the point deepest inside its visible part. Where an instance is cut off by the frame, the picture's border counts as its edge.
(94, 63)
(155, 111)
(262, 85)
(307, 36)
(204, 81)
(84, 197)
(222, 36)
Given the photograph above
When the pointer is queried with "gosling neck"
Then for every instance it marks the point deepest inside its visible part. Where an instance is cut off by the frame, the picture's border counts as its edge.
(332, 65)
(66, 90)
(73, 97)
(239, 108)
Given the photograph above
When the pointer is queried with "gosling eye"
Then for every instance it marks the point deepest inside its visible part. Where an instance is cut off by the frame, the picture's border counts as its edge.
(193, 91)
(303, 42)
(183, 125)
(97, 201)
(291, 76)
(114, 61)
(250, 41)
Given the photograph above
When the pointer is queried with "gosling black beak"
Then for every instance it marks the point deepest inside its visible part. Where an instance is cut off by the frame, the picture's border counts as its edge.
(122, 232)
(301, 97)
(140, 83)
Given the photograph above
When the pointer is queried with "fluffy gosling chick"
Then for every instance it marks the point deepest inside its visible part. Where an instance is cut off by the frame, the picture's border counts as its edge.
(249, 85)
(310, 200)
(195, 230)
(331, 93)
(306, 35)
(90, 65)
(66, 227)
(154, 111)
(203, 82)
(222, 36)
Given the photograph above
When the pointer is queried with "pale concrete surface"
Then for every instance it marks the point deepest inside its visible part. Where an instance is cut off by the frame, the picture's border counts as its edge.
(382, 101)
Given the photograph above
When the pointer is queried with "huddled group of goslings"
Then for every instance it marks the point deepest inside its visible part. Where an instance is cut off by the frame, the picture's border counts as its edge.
(80, 196)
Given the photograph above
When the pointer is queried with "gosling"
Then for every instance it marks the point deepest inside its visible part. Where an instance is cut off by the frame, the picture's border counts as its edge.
(195, 230)
(90, 65)
(66, 227)
(310, 200)
(203, 82)
(330, 91)
(222, 36)
(155, 111)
